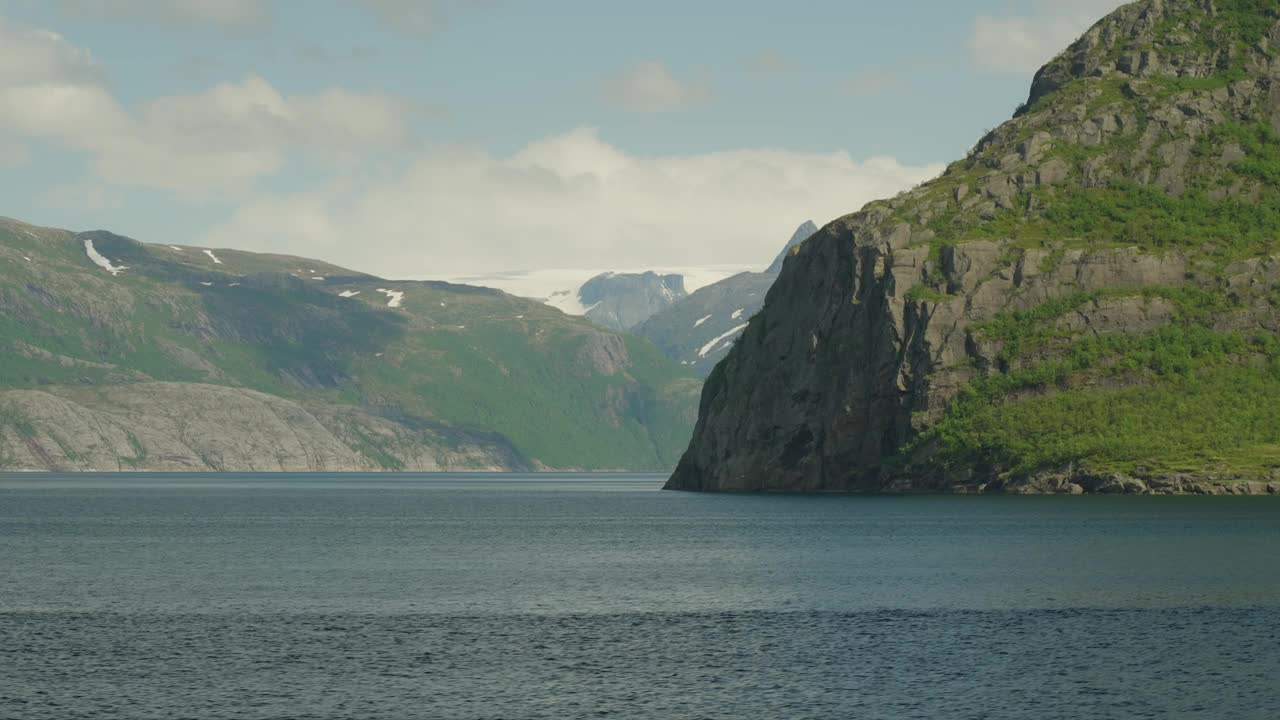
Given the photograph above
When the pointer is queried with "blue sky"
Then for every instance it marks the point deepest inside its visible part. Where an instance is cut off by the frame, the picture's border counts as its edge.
(437, 138)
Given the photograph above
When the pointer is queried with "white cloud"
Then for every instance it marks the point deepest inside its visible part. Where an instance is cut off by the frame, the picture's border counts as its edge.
(214, 141)
(225, 13)
(52, 89)
(571, 201)
(650, 87)
(1023, 43)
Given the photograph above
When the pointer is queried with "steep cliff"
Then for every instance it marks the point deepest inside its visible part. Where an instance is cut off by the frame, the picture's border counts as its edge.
(1087, 302)
(802, 233)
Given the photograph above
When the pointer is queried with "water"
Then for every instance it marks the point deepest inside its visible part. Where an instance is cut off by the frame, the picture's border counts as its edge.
(566, 597)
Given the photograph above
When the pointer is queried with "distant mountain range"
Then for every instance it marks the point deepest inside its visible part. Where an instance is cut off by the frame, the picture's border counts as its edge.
(694, 329)
(119, 355)
(623, 301)
(699, 330)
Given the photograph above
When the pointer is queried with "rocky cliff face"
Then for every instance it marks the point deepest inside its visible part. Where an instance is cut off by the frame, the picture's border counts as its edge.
(183, 427)
(1085, 303)
(802, 233)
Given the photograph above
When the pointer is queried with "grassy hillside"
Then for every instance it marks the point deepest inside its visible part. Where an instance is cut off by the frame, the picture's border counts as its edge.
(1179, 157)
(421, 355)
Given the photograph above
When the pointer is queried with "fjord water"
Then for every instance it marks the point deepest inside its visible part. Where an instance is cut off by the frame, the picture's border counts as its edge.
(570, 596)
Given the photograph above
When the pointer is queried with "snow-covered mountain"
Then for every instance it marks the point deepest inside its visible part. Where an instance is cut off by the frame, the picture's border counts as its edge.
(694, 315)
(562, 288)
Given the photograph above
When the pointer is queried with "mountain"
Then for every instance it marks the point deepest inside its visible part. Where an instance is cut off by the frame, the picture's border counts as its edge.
(119, 355)
(1088, 302)
(561, 288)
(620, 301)
(802, 233)
(699, 330)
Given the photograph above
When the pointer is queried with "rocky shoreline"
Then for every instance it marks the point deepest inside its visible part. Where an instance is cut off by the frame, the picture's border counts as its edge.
(1122, 484)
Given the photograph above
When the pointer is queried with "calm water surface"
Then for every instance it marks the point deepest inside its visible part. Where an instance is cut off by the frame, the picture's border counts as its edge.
(566, 597)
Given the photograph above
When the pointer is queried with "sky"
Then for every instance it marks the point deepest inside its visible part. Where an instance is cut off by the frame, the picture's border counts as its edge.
(442, 138)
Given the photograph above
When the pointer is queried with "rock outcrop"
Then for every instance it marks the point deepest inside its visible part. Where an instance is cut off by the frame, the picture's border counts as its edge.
(802, 233)
(1113, 249)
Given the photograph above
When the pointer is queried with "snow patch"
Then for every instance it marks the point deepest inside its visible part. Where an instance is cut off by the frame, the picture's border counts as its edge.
(207, 284)
(213, 257)
(317, 278)
(24, 257)
(349, 293)
(701, 320)
(712, 345)
(101, 261)
(175, 247)
(559, 287)
(31, 234)
(396, 297)
(737, 314)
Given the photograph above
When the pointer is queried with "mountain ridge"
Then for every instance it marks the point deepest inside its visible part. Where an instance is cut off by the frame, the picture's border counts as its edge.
(338, 370)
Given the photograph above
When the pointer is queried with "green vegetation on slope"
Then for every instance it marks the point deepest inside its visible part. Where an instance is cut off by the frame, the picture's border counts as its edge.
(560, 392)
(1126, 213)
(1191, 396)
(1195, 397)
(1221, 419)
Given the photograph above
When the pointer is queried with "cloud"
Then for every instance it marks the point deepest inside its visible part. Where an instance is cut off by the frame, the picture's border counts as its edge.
(568, 201)
(223, 13)
(868, 82)
(35, 56)
(1023, 43)
(650, 87)
(415, 17)
(215, 141)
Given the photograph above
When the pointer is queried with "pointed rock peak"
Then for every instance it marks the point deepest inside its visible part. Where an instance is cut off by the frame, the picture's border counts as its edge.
(802, 233)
